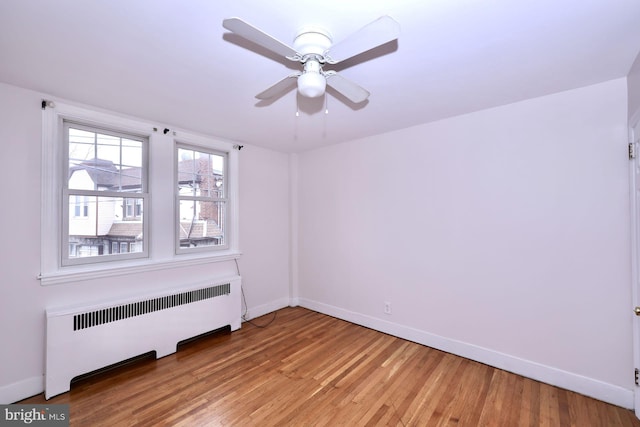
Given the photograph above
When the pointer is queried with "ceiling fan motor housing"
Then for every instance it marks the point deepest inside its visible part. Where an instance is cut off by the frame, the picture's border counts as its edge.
(312, 41)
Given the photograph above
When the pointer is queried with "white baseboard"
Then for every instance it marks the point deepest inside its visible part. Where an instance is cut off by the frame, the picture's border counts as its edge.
(606, 392)
(12, 393)
(261, 310)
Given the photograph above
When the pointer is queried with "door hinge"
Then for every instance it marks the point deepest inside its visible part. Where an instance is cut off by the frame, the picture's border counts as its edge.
(637, 373)
(632, 150)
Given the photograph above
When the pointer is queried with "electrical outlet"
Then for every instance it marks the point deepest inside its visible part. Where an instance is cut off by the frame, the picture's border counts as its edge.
(387, 307)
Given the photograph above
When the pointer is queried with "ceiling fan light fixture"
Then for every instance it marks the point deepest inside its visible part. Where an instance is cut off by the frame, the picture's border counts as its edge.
(312, 83)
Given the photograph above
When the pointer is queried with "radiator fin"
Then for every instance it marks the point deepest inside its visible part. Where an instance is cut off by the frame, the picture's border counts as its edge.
(113, 314)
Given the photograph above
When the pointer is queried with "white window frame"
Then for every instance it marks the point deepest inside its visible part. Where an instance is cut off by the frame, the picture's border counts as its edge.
(209, 150)
(66, 192)
(161, 157)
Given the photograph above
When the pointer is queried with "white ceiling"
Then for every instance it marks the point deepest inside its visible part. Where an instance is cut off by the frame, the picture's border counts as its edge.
(172, 62)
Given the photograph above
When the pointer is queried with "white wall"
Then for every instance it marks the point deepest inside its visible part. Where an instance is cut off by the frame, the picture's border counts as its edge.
(501, 235)
(264, 263)
(264, 229)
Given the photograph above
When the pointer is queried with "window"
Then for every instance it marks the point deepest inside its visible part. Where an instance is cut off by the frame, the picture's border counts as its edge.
(81, 208)
(102, 167)
(133, 209)
(106, 196)
(201, 201)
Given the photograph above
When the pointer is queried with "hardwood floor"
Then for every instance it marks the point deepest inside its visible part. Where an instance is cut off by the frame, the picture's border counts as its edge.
(306, 368)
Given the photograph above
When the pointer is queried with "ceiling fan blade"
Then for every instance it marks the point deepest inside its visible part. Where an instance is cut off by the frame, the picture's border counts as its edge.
(346, 87)
(251, 33)
(374, 34)
(280, 87)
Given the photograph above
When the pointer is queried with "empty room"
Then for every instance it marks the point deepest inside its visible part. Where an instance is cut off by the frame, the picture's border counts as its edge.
(338, 213)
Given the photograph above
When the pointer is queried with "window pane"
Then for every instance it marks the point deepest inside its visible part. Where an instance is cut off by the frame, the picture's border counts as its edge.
(108, 139)
(131, 179)
(101, 229)
(200, 173)
(132, 209)
(80, 206)
(81, 136)
(201, 223)
(99, 161)
(109, 152)
(81, 152)
(187, 177)
(132, 154)
(189, 186)
(213, 185)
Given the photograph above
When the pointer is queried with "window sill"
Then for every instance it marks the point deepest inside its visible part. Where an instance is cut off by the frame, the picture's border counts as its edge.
(81, 273)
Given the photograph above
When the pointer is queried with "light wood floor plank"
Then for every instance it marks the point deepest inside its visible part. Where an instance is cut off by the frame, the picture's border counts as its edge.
(308, 369)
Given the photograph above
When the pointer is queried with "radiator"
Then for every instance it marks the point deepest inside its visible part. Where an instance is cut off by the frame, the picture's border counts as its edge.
(80, 340)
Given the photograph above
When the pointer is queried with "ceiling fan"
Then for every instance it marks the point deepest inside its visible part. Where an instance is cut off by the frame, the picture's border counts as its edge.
(313, 47)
